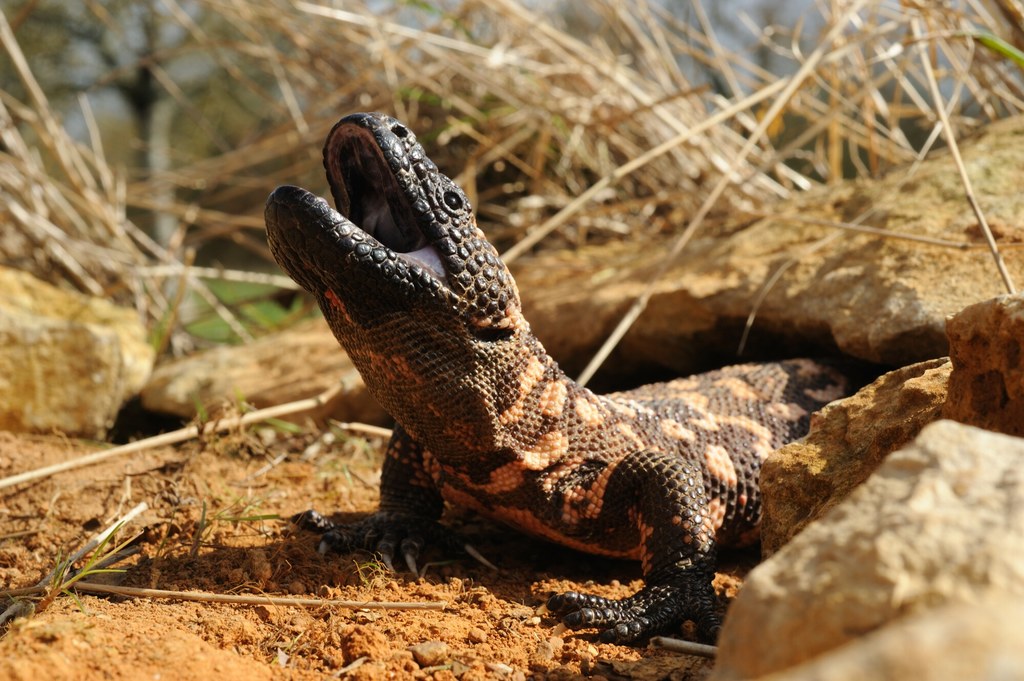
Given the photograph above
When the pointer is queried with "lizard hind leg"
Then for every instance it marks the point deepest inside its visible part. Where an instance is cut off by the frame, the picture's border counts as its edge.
(671, 511)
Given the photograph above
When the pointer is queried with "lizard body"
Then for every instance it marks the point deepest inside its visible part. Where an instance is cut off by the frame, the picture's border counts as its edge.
(485, 418)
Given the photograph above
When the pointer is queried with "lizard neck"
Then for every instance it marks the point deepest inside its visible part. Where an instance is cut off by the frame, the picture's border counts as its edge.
(464, 398)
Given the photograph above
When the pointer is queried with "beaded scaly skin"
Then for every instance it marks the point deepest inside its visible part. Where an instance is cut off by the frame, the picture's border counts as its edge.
(485, 418)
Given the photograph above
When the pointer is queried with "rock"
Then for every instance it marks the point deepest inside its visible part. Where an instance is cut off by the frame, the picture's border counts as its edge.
(67, 361)
(986, 388)
(499, 668)
(546, 652)
(848, 439)
(940, 522)
(290, 365)
(961, 642)
(429, 653)
(884, 300)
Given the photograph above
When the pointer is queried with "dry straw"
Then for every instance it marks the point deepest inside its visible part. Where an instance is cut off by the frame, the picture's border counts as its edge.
(623, 120)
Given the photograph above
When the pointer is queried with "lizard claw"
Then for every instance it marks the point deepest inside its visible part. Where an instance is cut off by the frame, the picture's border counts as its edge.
(411, 551)
(410, 562)
(647, 612)
(476, 555)
(386, 547)
(386, 558)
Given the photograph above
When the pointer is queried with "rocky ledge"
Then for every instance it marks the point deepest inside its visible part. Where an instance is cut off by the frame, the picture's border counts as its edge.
(898, 565)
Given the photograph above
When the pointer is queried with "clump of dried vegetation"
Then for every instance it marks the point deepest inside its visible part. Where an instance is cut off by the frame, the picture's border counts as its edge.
(629, 119)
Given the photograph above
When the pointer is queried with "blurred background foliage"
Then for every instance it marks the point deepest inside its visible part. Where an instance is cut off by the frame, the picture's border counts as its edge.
(139, 139)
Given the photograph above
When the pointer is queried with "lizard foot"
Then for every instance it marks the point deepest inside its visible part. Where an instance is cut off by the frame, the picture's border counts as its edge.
(650, 611)
(383, 533)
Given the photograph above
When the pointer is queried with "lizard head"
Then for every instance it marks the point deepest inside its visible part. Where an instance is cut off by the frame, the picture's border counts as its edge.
(402, 231)
(405, 278)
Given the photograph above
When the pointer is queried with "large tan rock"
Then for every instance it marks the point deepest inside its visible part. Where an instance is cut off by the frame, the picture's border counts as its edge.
(290, 365)
(940, 522)
(848, 439)
(67, 361)
(986, 388)
(880, 299)
(962, 642)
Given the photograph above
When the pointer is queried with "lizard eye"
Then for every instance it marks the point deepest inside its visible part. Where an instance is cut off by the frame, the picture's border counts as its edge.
(452, 200)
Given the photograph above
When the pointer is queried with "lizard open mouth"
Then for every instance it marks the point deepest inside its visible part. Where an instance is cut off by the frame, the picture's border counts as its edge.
(401, 226)
(363, 158)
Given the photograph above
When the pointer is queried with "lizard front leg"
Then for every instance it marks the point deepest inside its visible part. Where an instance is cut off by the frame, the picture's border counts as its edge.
(406, 518)
(667, 502)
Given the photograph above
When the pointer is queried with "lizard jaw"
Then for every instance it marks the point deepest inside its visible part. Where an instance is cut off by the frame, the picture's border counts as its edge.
(361, 158)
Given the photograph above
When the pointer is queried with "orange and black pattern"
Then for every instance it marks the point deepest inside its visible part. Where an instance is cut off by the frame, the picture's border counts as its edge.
(431, 317)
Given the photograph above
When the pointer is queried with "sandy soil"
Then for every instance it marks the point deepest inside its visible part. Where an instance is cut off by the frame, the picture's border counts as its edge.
(214, 524)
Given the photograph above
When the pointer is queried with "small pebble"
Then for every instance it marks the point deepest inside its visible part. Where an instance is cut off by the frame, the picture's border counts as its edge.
(477, 635)
(499, 668)
(430, 653)
(546, 650)
(556, 643)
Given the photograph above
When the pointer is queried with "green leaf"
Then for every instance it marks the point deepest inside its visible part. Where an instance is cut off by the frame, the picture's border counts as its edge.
(1000, 46)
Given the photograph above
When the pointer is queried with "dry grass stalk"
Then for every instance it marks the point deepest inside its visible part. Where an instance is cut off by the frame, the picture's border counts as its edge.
(954, 148)
(636, 124)
(57, 579)
(678, 645)
(242, 599)
(187, 433)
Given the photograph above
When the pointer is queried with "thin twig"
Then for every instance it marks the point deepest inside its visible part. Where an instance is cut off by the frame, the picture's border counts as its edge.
(367, 428)
(954, 149)
(276, 280)
(176, 436)
(678, 645)
(207, 597)
(559, 218)
(864, 229)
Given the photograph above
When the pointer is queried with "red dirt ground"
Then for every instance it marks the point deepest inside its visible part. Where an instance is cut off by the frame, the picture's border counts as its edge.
(493, 626)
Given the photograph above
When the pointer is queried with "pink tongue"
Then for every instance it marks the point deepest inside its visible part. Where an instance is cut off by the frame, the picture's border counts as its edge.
(428, 259)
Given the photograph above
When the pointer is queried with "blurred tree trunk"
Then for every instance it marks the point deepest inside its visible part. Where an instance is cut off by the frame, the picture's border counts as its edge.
(153, 113)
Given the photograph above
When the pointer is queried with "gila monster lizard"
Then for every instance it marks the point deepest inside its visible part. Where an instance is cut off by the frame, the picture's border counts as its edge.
(485, 419)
